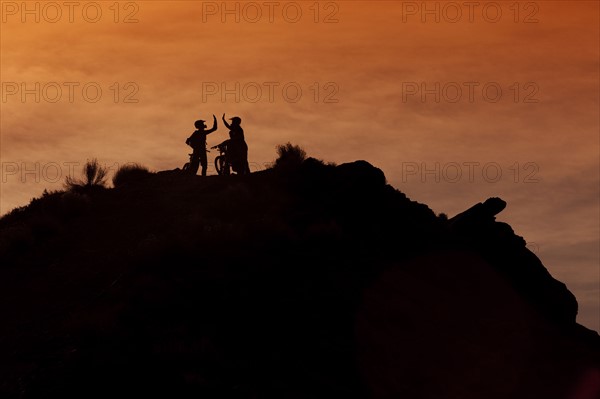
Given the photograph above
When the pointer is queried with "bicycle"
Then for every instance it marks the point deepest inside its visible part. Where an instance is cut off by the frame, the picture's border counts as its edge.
(222, 162)
(186, 167)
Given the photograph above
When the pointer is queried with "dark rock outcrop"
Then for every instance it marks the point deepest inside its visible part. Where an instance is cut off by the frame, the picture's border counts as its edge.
(507, 252)
(317, 281)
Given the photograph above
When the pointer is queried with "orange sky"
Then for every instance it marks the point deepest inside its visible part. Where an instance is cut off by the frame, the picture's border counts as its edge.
(368, 58)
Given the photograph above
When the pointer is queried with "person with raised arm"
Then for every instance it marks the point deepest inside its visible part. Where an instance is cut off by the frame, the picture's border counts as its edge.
(236, 147)
(198, 142)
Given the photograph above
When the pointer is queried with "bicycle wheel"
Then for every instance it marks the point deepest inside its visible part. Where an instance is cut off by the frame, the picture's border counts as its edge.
(220, 164)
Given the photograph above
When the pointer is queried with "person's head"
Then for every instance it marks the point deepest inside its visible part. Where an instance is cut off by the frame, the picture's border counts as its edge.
(200, 125)
(236, 121)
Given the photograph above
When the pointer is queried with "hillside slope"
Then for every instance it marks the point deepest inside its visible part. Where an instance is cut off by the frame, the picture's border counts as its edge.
(311, 282)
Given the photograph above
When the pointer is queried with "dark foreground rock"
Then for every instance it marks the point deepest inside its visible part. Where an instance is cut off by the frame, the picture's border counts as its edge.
(314, 282)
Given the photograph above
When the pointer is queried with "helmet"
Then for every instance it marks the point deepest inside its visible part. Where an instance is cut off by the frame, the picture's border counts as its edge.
(236, 119)
(199, 124)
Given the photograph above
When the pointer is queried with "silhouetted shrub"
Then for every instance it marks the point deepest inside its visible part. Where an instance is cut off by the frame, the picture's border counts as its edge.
(130, 173)
(94, 175)
(290, 156)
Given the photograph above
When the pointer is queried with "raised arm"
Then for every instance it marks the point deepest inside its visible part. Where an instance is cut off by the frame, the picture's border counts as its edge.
(212, 129)
(227, 125)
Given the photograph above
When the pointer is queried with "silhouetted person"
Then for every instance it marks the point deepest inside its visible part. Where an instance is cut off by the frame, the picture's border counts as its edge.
(198, 142)
(236, 146)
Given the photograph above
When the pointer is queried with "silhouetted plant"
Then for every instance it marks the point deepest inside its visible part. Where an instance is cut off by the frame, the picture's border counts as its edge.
(94, 175)
(130, 173)
(289, 156)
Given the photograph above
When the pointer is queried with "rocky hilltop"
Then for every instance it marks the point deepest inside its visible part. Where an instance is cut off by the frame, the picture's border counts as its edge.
(313, 281)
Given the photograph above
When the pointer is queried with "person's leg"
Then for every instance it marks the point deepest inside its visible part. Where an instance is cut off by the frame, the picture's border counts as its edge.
(245, 158)
(203, 162)
(237, 157)
(231, 155)
(194, 163)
